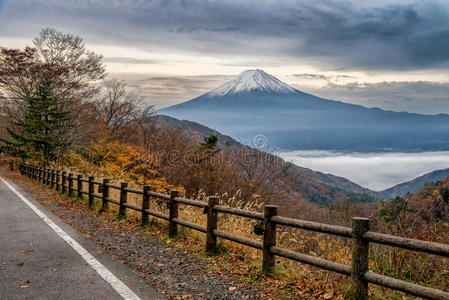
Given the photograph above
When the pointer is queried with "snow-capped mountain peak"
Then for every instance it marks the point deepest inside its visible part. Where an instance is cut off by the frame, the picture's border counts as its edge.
(252, 80)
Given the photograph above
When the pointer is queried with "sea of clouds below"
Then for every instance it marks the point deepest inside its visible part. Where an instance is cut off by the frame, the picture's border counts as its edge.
(376, 171)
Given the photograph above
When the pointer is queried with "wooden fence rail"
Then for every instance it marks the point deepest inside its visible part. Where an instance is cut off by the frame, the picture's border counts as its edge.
(360, 235)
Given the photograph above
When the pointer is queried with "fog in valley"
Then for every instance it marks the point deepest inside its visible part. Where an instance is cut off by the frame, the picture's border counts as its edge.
(376, 171)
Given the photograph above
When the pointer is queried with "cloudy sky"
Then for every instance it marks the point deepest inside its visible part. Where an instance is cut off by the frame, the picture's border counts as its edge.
(390, 54)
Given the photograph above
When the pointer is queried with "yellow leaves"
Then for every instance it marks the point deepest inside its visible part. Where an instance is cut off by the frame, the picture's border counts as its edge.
(436, 193)
(334, 249)
(118, 161)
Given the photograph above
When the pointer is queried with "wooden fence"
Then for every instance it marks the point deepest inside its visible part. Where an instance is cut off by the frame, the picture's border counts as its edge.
(360, 235)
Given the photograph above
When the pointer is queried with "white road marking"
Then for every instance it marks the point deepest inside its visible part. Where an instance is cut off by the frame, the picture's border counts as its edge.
(107, 275)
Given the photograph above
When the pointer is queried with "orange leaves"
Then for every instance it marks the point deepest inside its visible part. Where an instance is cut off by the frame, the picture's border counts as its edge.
(119, 161)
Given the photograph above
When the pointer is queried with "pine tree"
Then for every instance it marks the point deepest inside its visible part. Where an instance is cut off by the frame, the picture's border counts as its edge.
(38, 134)
(210, 143)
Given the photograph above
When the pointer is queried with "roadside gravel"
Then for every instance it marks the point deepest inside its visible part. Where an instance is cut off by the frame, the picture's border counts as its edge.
(174, 272)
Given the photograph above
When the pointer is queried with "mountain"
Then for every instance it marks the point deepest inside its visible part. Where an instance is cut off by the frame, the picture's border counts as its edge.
(413, 185)
(255, 103)
(316, 187)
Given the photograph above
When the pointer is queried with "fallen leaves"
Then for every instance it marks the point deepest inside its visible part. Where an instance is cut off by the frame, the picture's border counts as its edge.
(25, 285)
(20, 265)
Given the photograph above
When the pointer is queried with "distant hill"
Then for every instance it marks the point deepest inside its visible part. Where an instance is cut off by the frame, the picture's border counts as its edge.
(413, 185)
(316, 187)
(256, 103)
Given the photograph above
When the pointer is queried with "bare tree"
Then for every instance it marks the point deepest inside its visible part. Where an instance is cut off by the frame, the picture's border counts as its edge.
(122, 109)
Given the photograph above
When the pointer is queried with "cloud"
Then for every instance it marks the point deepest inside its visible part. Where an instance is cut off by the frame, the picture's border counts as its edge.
(385, 169)
(190, 29)
(165, 90)
(419, 96)
(132, 60)
(328, 33)
(328, 78)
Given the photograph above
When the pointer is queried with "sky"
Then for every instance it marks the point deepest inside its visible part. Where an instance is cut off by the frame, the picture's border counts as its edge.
(388, 54)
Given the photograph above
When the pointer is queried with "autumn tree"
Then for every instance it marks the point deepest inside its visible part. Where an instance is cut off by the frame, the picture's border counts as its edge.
(38, 132)
(59, 72)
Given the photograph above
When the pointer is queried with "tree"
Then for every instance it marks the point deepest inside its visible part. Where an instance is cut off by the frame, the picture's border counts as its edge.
(122, 110)
(56, 70)
(210, 143)
(38, 133)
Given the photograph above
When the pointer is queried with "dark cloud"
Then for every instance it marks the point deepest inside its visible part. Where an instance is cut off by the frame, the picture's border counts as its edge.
(190, 29)
(329, 34)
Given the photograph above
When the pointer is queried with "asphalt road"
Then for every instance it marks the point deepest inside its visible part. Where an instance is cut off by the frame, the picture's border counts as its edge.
(41, 257)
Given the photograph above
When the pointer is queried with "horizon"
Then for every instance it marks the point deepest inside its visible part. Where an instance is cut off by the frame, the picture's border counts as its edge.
(380, 54)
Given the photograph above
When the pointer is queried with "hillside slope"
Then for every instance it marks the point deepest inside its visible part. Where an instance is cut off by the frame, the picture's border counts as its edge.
(413, 185)
(316, 187)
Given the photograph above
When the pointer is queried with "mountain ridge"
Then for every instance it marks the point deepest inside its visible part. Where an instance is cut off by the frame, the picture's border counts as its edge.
(413, 185)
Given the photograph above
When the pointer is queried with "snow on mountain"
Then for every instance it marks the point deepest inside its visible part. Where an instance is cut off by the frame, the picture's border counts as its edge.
(252, 80)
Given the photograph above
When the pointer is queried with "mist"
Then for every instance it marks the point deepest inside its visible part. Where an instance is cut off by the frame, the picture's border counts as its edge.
(376, 171)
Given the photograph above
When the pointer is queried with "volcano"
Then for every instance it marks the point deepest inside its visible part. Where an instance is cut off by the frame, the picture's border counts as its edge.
(256, 104)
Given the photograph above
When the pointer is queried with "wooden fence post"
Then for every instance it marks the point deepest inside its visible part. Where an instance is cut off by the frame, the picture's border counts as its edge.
(173, 214)
(39, 175)
(91, 191)
(105, 195)
(11, 165)
(123, 199)
(145, 204)
(58, 179)
(53, 176)
(359, 264)
(64, 179)
(211, 238)
(79, 186)
(45, 176)
(48, 176)
(269, 238)
(70, 184)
